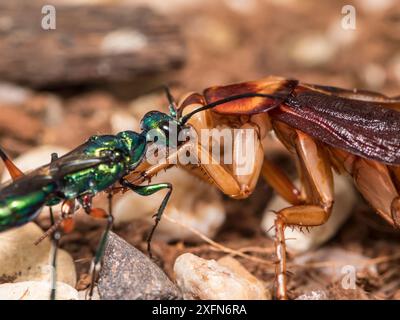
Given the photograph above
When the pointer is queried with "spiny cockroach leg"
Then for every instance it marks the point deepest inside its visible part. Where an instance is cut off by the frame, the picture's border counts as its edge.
(280, 267)
(317, 181)
(280, 182)
(12, 169)
(375, 183)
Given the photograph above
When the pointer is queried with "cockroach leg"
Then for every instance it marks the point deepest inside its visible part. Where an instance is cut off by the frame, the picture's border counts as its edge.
(374, 182)
(280, 182)
(12, 169)
(395, 211)
(280, 251)
(317, 183)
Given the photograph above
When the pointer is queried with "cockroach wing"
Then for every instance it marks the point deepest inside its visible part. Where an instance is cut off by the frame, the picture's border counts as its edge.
(356, 94)
(364, 128)
(274, 86)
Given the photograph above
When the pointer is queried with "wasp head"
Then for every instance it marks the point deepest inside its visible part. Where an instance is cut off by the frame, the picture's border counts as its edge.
(161, 128)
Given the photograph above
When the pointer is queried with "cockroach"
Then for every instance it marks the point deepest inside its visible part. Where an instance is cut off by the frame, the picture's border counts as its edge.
(353, 132)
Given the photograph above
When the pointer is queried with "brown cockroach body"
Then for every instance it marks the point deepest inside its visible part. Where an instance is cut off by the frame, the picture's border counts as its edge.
(353, 132)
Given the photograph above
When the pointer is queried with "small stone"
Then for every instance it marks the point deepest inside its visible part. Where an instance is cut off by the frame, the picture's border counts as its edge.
(374, 76)
(13, 94)
(36, 290)
(374, 7)
(145, 103)
(313, 295)
(395, 67)
(242, 6)
(193, 203)
(123, 41)
(54, 111)
(339, 262)
(128, 274)
(239, 269)
(19, 124)
(313, 50)
(84, 294)
(220, 37)
(345, 198)
(210, 280)
(340, 36)
(22, 260)
(121, 121)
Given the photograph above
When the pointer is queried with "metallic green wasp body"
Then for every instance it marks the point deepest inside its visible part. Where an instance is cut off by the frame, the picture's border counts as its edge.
(90, 168)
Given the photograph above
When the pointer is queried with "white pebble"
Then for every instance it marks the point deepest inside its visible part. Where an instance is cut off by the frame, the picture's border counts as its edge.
(374, 76)
(209, 280)
(121, 121)
(312, 50)
(374, 6)
(192, 203)
(313, 295)
(338, 261)
(36, 290)
(13, 94)
(22, 260)
(345, 198)
(123, 41)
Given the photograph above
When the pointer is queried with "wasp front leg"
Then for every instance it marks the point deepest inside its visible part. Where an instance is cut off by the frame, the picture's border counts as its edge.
(147, 191)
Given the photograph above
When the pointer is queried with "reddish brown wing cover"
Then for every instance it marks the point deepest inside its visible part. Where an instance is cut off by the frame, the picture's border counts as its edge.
(271, 85)
(365, 128)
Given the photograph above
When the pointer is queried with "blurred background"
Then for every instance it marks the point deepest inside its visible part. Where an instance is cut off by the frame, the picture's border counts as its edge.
(96, 71)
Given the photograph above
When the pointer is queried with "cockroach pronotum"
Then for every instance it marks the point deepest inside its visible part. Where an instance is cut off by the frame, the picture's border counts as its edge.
(351, 131)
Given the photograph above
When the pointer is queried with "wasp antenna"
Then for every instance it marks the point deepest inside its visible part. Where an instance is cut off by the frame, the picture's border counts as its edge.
(12, 169)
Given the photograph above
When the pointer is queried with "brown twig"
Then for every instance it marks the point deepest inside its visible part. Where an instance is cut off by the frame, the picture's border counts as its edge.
(217, 246)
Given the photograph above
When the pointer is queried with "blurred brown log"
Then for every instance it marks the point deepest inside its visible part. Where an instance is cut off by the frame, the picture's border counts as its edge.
(90, 44)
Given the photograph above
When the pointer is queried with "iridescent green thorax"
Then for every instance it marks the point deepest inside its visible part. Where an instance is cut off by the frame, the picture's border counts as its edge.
(121, 153)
